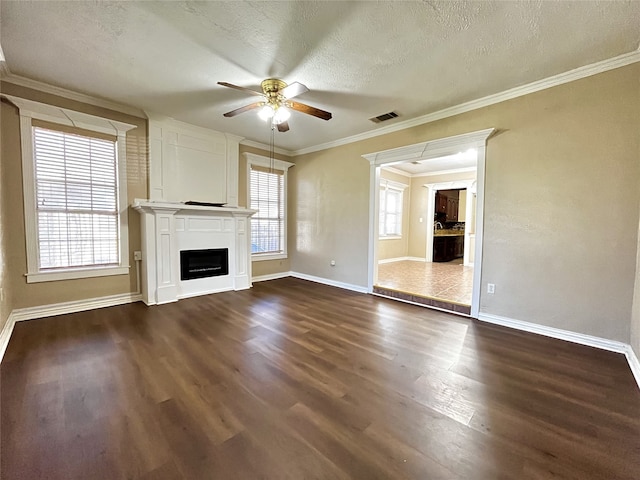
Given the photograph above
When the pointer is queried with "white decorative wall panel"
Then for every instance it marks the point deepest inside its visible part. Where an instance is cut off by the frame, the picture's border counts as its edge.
(192, 163)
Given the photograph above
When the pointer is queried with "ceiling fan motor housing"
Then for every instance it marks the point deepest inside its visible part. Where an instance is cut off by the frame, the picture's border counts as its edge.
(272, 85)
(272, 88)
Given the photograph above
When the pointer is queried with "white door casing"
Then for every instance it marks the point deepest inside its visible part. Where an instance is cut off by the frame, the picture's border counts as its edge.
(425, 151)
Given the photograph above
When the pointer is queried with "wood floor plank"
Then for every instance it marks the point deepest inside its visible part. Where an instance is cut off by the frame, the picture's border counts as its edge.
(293, 379)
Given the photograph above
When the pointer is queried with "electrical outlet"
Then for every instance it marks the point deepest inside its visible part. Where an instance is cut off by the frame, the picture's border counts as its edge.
(137, 255)
(491, 288)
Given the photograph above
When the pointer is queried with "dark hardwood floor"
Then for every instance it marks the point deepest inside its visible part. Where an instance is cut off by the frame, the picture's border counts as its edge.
(296, 380)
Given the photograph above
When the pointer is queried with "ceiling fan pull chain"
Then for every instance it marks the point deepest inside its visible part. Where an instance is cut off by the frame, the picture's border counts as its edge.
(272, 150)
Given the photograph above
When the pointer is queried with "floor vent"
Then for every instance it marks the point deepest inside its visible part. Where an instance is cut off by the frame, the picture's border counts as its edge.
(384, 117)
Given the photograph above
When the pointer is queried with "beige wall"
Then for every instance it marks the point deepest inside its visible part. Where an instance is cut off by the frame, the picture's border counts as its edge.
(263, 267)
(395, 248)
(419, 204)
(330, 197)
(34, 294)
(6, 294)
(561, 203)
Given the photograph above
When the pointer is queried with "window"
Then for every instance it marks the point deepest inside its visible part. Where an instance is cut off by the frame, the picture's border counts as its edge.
(391, 209)
(76, 200)
(267, 194)
(75, 196)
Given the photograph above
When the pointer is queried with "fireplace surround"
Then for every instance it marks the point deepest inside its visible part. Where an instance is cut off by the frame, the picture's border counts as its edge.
(169, 228)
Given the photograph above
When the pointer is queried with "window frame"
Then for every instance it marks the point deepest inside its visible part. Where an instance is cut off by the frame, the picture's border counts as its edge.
(281, 165)
(30, 110)
(385, 186)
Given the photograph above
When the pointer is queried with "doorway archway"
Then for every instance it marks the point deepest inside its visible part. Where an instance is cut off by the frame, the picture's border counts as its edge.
(423, 152)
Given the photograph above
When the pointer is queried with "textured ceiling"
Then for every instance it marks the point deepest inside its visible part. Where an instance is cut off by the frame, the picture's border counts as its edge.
(359, 59)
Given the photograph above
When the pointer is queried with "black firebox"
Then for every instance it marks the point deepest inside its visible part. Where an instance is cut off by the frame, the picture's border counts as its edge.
(204, 263)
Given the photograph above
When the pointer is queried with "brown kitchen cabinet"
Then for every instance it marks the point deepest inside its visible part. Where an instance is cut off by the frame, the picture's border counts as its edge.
(447, 203)
(441, 203)
(452, 209)
(447, 247)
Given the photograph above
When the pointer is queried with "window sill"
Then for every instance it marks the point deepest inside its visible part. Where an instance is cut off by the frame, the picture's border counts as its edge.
(259, 257)
(70, 274)
(391, 237)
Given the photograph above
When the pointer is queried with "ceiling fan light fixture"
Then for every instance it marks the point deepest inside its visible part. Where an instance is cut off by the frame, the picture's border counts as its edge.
(282, 114)
(266, 113)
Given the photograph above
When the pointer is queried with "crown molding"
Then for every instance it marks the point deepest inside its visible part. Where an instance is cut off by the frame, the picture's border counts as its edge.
(266, 148)
(560, 79)
(65, 116)
(71, 95)
(187, 128)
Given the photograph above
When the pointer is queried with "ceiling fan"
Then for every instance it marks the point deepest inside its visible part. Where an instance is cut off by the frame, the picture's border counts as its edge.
(277, 102)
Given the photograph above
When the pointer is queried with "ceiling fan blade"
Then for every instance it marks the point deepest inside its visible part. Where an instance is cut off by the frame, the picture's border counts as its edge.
(309, 110)
(242, 89)
(283, 127)
(293, 90)
(246, 108)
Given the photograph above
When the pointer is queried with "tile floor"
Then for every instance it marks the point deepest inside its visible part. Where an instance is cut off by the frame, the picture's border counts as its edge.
(446, 281)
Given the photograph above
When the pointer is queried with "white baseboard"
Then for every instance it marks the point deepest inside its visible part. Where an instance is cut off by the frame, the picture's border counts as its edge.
(392, 260)
(582, 339)
(42, 311)
(402, 259)
(311, 278)
(569, 336)
(634, 364)
(327, 281)
(5, 334)
(270, 276)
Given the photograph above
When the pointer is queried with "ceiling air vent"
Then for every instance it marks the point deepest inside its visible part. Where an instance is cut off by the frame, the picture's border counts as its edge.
(384, 117)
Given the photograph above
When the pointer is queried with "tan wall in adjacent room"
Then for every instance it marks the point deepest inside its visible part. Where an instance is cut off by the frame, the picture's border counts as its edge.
(561, 203)
(46, 293)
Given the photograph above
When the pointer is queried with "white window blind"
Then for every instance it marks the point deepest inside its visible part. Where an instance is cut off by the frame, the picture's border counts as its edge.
(76, 182)
(390, 211)
(267, 197)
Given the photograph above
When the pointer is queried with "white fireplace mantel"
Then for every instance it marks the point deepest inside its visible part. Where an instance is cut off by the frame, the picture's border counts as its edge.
(168, 228)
